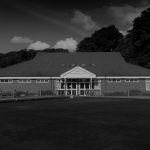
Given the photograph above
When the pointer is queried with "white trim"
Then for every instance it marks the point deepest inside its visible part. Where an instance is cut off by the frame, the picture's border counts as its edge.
(18, 78)
(128, 80)
(135, 80)
(76, 68)
(118, 80)
(114, 80)
(99, 77)
(109, 81)
(132, 80)
(124, 77)
(8, 81)
(42, 81)
(24, 81)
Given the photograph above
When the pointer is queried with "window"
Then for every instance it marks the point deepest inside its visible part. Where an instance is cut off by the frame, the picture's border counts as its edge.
(74, 85)
(92, 85)
(42, 81)
(6, 81)
(109, 80)
(87, 85)
(82, 85)
(24, 81)
(69, 86)
(62, 85)
(135, 80)
(118, 80)
(147, 85)
(127, 80)
(113, 80)
(131, 80)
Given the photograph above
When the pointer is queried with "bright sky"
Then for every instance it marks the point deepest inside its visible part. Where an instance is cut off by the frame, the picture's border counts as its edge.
(61, 24)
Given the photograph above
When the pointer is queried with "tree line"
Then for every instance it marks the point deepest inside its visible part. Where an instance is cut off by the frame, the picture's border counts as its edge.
(134, 47)
(15, 57)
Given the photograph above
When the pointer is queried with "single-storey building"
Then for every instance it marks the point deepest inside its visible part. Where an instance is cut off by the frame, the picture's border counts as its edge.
(78, 74)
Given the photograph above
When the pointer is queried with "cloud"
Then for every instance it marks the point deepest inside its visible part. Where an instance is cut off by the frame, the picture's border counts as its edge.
(84, 20)
(38, 45)
(21, 40)
(121, 16)
(68, 43)
(126, 14)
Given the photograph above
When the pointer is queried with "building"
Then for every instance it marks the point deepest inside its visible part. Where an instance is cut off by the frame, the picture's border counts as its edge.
(78, 74)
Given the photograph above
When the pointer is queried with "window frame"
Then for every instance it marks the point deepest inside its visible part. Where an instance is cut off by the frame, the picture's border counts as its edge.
(42, 81)
(113, 80)
(147, 85)
(136, 80)
(8, 81)
(127, 80)
(24, 81)
(132, 80)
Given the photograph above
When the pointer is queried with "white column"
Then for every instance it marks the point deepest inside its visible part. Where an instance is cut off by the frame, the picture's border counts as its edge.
(91, 87)
(65, 86)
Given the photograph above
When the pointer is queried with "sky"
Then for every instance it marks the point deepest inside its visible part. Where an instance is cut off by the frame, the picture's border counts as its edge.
(35, 24)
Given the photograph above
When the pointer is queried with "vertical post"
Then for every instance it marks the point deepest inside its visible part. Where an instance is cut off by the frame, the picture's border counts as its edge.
(71, 88)
(78, 85)
(105, 85)
(91, 87)
(65, 86)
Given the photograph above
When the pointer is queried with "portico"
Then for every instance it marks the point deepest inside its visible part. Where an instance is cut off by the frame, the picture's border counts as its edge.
(78, 82)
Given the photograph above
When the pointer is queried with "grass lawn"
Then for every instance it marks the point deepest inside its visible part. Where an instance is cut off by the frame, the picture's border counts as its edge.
(75, 124)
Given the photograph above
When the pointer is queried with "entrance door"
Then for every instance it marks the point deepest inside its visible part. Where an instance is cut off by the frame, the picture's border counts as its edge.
(74, 88)
(84, 88)
(71, 88)
(77, 87)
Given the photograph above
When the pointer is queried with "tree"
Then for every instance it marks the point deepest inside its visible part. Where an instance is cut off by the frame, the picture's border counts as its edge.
(136, 45)
(104, 40)
(58, 50)
(15, 57)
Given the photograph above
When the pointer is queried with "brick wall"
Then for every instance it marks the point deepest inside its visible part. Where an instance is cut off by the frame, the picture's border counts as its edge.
(32, 87)
(122, 86)
(104, 84)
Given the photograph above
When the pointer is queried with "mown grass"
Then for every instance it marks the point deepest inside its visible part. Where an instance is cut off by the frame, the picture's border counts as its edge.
(75, 124)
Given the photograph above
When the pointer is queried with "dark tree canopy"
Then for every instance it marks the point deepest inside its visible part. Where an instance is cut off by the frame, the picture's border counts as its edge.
(15, 57)
(103, 40)
(58, 50)
(136, 45)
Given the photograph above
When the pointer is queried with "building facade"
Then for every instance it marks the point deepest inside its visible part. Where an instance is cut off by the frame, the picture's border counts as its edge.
(78, 74)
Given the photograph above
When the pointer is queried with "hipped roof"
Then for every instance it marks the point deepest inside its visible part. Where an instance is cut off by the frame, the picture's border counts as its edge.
(54, 64)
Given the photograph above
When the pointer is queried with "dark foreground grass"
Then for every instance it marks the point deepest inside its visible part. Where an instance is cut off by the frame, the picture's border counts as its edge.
(75, 124)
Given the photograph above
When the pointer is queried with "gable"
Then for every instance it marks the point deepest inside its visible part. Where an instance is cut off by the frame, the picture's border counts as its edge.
(78, 72)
